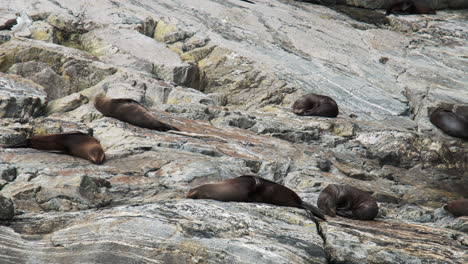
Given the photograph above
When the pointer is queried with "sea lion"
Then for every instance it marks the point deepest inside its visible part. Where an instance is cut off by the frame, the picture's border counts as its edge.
(250, 2)
(453, 124)
(410, 7)
(7, 25)
(457, 207)
(75, 144)
(315, 105)
(252, 189)
(130, 111)
(347, 201)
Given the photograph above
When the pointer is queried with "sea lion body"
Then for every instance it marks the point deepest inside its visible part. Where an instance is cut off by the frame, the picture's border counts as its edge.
(130, 111)
(457, 207)
(410, 7)
(315, 105)
(252, 189)
(453, 124)
(73, 143)
(8, 25)
(347, 201)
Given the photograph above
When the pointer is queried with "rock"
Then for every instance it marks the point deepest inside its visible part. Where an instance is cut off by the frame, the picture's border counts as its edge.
(60, 70)
(385, 3)
(42, 30)
(133, 51)
(20, 98)
(383, 242)
(7, 209)
(180, 231)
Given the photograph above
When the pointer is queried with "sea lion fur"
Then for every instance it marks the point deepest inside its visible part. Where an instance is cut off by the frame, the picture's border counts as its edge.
(75, 144)
(253, 189)
(347, 201)
(130, 111)
(315, 105)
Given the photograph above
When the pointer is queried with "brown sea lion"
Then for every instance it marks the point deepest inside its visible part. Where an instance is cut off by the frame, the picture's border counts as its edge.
(130, 111)
(347, 201)
(7, 25)
(410, 7)
(457, 207)
(252, 189)
(75, 144)
(453, 124)
(315, 105)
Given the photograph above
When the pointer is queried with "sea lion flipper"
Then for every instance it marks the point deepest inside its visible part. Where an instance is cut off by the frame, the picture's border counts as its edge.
(23, 144)
(314, 210)
(344, 213)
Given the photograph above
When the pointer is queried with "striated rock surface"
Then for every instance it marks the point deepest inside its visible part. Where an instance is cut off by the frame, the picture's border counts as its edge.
(227, 72)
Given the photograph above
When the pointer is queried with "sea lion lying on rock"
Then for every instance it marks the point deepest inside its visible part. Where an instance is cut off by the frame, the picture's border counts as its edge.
(453, 123)
(75, 144)
(252, 189)
(315, 105)
(347, 201)
(457, 207)
(130, 111)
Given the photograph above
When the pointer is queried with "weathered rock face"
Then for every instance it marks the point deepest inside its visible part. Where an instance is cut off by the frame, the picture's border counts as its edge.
(20, 98)
(227, 72)
(7, 209)
(438, 4)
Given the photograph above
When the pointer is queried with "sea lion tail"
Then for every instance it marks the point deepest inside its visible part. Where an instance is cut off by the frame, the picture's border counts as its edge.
(314, 210)
(24, 144)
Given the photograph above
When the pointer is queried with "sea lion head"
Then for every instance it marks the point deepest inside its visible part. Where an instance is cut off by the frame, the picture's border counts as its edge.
(101, 102)
(446, 207)
(368, 211)
(193, 194)
(96, 154)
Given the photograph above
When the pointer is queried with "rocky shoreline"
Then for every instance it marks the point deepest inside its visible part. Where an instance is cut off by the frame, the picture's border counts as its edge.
(230, 70)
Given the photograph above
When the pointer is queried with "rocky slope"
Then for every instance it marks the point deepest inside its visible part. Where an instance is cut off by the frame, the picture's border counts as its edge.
(230, 70)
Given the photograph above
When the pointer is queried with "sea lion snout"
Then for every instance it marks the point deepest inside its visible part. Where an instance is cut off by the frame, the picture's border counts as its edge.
(192, 194)
(97, 155)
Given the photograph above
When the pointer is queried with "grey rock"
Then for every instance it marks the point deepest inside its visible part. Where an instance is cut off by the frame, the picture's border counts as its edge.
(179, 231)
(67, 71)
(7, 173)
(7, 209)
(133, 50)
(20, 98)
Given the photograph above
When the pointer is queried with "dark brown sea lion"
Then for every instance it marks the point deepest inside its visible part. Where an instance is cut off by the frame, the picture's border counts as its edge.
(410, 7)
(252, 189)
(315, 105)
(453, 124)
(130, 111)
(7, 25)
(72, 143)
(457, 207)
(347, 201)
